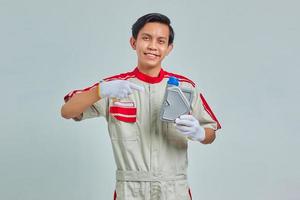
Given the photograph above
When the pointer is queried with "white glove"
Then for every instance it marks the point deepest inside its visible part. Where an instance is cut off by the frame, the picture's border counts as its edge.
(117, 89)
(189, 126)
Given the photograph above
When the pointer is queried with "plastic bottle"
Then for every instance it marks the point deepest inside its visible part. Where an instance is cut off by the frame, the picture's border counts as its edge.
(175, 103)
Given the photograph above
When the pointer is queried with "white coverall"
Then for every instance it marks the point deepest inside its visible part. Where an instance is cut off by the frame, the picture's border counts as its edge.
(151, 155)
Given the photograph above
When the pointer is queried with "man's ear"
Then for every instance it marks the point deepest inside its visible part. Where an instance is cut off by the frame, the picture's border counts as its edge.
(170, 47)
(133, 43)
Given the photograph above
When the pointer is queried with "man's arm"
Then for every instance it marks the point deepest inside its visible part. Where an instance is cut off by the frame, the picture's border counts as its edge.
(79, 103)
(210, 136)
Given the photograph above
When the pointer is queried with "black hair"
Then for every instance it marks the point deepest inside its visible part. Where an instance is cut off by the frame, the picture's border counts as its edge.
(152, 17)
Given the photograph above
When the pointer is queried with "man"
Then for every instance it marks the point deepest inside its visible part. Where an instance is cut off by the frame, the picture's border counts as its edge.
(151, 155)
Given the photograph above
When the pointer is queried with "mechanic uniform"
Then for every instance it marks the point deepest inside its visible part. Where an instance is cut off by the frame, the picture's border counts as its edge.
(151, 155)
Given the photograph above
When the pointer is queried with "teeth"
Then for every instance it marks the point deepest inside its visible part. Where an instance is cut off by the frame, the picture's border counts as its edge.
(151, 54)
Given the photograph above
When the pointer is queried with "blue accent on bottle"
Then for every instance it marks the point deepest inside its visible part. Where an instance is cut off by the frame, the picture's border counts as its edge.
(173, 81)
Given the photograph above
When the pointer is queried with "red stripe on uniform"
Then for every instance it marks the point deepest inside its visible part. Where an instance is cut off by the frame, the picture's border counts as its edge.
(190, 193)
(115, 195)
(126, 119)
(209, 111)
(122, 110)
(180, 77)
(123, 76)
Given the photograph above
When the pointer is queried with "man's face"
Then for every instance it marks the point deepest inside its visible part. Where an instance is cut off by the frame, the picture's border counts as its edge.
(151, 44)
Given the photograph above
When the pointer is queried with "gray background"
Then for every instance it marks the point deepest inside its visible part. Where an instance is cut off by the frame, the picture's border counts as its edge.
(243, 54)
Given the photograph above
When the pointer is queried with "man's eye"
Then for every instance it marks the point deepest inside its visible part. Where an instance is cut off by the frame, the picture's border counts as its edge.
(145, 38)
(161, 41)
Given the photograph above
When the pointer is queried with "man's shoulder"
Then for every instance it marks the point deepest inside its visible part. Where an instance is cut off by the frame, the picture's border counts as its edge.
(180, 77)
(121, 76)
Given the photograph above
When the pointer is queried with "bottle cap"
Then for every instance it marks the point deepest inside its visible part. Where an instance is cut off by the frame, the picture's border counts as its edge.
(173, 81)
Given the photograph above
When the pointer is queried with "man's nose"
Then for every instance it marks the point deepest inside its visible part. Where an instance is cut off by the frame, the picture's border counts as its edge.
(152, 45)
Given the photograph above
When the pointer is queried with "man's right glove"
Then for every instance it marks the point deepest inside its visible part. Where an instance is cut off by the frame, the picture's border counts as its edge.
(117, 89)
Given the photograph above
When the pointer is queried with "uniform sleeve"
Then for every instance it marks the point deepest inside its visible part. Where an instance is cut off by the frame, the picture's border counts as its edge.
(96, 110)
(202, 111)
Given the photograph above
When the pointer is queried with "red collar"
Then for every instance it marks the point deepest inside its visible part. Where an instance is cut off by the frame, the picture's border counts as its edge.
(147, 78)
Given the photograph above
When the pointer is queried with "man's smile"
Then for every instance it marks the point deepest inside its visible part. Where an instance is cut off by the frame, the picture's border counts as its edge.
(151, 55)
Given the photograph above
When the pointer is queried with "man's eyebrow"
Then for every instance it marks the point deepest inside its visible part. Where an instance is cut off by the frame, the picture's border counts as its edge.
(162, 37)
(147, 34)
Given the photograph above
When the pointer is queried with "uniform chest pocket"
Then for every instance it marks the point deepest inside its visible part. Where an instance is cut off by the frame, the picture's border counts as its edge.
(123, 121)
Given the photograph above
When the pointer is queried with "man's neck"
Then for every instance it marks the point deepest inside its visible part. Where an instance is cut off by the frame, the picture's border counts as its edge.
(153, 72)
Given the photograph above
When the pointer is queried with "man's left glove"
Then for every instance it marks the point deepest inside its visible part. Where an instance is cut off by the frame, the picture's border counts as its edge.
(189, 126)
